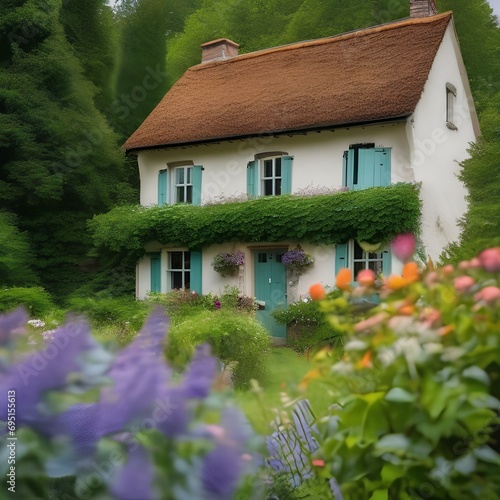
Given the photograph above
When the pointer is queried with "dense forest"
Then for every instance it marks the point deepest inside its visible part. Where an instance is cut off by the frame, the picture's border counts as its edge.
(77, 77)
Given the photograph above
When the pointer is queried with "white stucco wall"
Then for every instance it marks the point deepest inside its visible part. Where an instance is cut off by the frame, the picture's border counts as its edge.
(317, 159)
(437, 150)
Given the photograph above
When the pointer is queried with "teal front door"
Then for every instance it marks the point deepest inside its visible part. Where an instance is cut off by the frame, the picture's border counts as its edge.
(270, 288)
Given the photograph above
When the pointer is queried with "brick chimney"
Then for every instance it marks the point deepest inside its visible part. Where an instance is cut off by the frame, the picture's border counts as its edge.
(422, 8)
(218, 50)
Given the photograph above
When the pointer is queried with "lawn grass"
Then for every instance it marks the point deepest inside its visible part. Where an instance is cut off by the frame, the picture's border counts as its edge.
(286, 370)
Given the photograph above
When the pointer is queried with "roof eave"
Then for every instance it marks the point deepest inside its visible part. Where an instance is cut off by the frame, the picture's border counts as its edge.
(303, 130)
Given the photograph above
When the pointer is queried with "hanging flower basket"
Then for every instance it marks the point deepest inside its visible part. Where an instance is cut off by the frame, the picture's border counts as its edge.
(228, 263)
(297, 260)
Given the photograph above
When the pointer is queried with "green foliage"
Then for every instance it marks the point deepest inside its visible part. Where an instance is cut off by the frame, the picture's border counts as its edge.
(238, 341)
(307, 326)
(34, 299)
(373, 215)
(416, 390)
(124, 315)
(15, 254)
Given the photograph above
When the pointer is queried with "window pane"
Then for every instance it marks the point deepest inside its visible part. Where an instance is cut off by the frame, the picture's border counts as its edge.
(277, 172)
(277, 186)
(268, 187)
(179, 175)
(376, 267)
(187, 260)
(358, 251)
(175, 260)
(358, 266)
(176, 279)
(262, 257)
(189, 194)
(179, 198)
(189, 172)
(187, 279)
(268, 168)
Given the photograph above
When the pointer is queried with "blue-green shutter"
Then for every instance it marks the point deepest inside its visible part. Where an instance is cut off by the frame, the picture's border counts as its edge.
(350, 169)
(196, 180)
(155, 272)
(366, 168)
(162, 187)
(196, 272)
(286, 174)
(252, 179)
(344, 168)
(341, 256)
(386, 262)
(382, 170)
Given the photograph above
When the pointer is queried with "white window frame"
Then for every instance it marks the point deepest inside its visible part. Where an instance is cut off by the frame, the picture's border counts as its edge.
(451, 98)
(366, 260)
(184, 271)
(188, 183)
(274, 178)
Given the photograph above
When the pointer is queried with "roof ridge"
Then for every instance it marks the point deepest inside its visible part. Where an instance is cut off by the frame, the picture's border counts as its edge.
(325, 40)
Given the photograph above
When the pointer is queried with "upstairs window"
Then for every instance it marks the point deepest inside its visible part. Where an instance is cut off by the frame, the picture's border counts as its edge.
(366, 166)
(451, 97)
(183, 185)
(270, 174)
(181, 182)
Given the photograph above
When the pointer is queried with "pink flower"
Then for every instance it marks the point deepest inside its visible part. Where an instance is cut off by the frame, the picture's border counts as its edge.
(403, 246)
(366, 277)
(463, 283)
(489, 294)
(490, 259)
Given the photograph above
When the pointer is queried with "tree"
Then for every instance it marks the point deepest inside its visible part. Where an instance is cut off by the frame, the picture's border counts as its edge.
(59, 159)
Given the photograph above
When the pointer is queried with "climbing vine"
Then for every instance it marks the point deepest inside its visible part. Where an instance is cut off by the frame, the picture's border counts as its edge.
(372, 215)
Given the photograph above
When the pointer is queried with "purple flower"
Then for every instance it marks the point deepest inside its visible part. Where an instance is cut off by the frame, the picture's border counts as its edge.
(52, 368)
(217, 304)
(134, 480)
(223, 466)
(296, 258)
(10, 323)
(200, 373)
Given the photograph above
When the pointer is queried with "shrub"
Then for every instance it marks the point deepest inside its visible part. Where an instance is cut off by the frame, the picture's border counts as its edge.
(416, 390)
(307, 326)
(181, 302)
(35, 299)
(237, 340)
(121, 317)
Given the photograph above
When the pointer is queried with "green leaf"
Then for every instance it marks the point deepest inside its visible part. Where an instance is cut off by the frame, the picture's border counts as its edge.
(380, 495)
(392, 443)
(398, 395)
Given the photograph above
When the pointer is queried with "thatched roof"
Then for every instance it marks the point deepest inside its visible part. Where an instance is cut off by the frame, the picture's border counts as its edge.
(363, 76)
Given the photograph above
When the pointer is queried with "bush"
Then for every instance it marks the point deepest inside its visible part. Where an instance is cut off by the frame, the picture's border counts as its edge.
(237, 340)
(307, 326)
(35, 299)
(122, 317)
(416, 390)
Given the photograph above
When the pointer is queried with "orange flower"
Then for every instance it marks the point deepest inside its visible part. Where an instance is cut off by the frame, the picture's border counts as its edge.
(314, 373)
(366, 277)
(317, 291)
(410, 272)
(395, 282)
(344, 278)
(366, 362)
(406, 310)
(445, 330)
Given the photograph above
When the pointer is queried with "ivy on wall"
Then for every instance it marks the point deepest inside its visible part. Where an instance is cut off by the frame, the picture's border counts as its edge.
(373, 215)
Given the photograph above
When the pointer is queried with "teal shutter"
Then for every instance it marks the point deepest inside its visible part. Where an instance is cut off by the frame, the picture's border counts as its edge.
(350, 169)
(386, 262)
(382, 167)
(196, 180)
(366, 169)
(341, 256)
(162, 187)
(252, 179)
(344, 168)
(286, 174)
(196, 270)
(155, 272)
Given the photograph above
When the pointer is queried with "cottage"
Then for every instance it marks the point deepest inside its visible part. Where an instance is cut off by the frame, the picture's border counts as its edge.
(361, 112)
